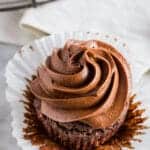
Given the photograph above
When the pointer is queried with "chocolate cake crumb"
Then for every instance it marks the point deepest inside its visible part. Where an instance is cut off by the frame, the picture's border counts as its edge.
(36, 133)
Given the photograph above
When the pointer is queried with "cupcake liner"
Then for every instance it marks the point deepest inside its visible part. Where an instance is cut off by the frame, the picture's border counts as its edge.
(25, 62)
(71, 139)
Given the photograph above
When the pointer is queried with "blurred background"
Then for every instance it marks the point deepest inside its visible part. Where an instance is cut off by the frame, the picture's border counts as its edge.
(22, 21)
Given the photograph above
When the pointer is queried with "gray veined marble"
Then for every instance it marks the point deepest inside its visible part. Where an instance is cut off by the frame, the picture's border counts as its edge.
(7, 142)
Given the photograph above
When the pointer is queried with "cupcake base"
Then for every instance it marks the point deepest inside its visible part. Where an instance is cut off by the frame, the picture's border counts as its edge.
(75, 136)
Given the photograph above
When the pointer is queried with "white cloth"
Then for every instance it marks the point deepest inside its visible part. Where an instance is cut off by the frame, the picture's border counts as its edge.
(126, 18)
(9, 28)
(9, 25)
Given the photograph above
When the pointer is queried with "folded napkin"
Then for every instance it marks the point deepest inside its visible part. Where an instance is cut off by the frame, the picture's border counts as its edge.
(127, 19)
(9, 28)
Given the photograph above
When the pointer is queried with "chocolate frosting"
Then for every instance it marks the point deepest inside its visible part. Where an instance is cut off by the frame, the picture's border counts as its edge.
(87, 81)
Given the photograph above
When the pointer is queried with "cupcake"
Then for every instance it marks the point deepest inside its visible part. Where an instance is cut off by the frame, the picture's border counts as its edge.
(82, 93)
(73, 91)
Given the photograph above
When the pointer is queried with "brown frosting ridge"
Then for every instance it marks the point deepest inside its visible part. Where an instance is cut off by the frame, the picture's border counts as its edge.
(87, 81)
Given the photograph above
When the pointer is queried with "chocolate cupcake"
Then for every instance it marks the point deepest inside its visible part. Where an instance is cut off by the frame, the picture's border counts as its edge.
(82, 93)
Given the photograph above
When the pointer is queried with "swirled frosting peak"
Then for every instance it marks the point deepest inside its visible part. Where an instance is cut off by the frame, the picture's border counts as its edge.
(86, 81)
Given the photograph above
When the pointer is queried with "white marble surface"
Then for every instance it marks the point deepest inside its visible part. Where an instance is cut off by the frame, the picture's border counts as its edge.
(7, 142)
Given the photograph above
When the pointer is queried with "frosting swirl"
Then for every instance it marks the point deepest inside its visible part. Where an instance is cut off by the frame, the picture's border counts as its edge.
(87, 81)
